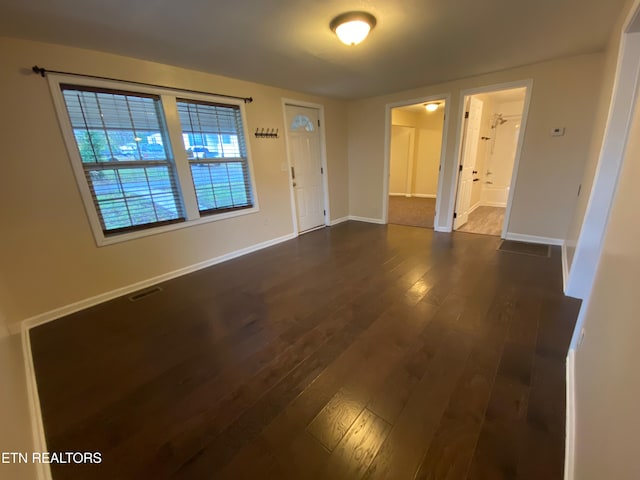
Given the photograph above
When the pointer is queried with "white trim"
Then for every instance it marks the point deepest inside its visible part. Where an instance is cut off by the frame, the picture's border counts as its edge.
(565, 267)
(521, 237)
(424, 195)
(338, 220)
(494, 204)
(473, 209)
(180, 161)
(446, 97)
(570, 427)
(43, 470)
(118, 292)
(409, 195)
(623, 100)
(379, 221)
(442, 229)
(453, 182)
(312, 229)
(323, 158)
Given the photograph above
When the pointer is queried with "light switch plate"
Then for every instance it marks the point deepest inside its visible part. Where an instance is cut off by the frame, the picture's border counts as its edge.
(557, 131)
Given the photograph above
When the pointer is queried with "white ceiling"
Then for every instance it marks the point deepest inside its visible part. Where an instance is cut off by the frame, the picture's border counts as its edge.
(288, 43)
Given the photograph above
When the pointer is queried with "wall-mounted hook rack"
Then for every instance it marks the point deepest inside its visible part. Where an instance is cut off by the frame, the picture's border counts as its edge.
(266, 133)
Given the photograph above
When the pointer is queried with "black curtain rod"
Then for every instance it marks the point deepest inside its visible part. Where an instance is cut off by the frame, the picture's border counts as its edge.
(43, 72)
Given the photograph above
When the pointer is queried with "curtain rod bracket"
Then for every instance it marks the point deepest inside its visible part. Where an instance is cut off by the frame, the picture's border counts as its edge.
(43, 71)
(37, 69)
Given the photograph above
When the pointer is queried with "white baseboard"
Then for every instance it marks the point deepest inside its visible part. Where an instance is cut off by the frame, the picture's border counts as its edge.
(366, 219)
(338, 220)
(424, 195)
(565, 268)
(418, 195)
(442, 229)
(493, 204)
(520, 237)
(118, 292)
(472, 209)
(570, 434)
(43, 470)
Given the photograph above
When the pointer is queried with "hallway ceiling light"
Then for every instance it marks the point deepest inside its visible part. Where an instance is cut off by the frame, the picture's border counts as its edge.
(431, 107)
(353, 27)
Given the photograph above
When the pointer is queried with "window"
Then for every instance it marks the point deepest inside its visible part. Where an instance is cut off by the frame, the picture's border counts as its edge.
(301, 122)
(134, 180)
(212, 136)
(121, 140)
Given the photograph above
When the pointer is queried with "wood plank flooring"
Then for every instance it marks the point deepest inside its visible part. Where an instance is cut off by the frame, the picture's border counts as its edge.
(485, 220)
(354, 352)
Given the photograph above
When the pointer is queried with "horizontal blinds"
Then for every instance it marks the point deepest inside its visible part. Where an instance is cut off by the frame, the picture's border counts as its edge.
(213, 137)
(122, 142)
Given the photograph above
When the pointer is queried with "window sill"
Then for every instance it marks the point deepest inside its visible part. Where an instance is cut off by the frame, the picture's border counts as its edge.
(102, 240)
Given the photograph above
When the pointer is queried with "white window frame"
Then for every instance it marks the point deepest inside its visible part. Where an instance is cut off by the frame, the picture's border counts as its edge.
(184, 180)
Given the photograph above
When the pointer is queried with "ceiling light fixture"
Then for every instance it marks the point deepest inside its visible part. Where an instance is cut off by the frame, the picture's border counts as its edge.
(431, 107)
(353, 27)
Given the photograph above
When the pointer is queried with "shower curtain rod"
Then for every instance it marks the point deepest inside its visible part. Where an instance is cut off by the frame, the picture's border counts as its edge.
(43, 72)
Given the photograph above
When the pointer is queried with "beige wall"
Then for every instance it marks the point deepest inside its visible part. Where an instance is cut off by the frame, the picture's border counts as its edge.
(603, 100)
(427, 148)
(401, 158)
(48, 256)
(550, 167)
(606, 377)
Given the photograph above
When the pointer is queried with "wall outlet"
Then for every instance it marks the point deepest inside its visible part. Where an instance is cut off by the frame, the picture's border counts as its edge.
(557, 131)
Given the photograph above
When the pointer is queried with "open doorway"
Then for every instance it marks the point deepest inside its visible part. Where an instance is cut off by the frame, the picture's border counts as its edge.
(491, 133)
(415, 149)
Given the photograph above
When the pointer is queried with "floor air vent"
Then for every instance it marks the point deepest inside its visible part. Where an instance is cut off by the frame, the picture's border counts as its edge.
(144, 293)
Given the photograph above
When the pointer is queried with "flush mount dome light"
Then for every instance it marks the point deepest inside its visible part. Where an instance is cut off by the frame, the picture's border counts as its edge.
(353, 27)
(431, 107)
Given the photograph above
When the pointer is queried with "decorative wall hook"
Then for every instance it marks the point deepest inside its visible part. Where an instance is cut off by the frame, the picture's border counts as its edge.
(266, 133)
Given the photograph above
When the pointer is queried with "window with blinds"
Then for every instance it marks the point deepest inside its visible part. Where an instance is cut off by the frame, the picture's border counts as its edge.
(127, 146)
(213, 137)
(127, 160)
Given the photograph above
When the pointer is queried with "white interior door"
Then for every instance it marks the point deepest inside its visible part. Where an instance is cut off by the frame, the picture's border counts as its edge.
(401, 160)
(469, 152)
(306, 165)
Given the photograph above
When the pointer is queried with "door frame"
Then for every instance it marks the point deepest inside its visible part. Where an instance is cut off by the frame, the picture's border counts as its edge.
(528, 84)
(446, 98)
(323, 160)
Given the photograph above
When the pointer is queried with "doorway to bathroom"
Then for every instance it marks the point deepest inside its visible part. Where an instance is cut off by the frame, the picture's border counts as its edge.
(491, 135)
(415, 152)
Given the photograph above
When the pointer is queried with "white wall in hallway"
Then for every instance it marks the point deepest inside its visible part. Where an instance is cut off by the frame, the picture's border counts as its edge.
(607, 383)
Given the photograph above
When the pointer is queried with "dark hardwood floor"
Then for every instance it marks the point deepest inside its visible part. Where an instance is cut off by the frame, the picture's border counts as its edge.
(357, 351)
